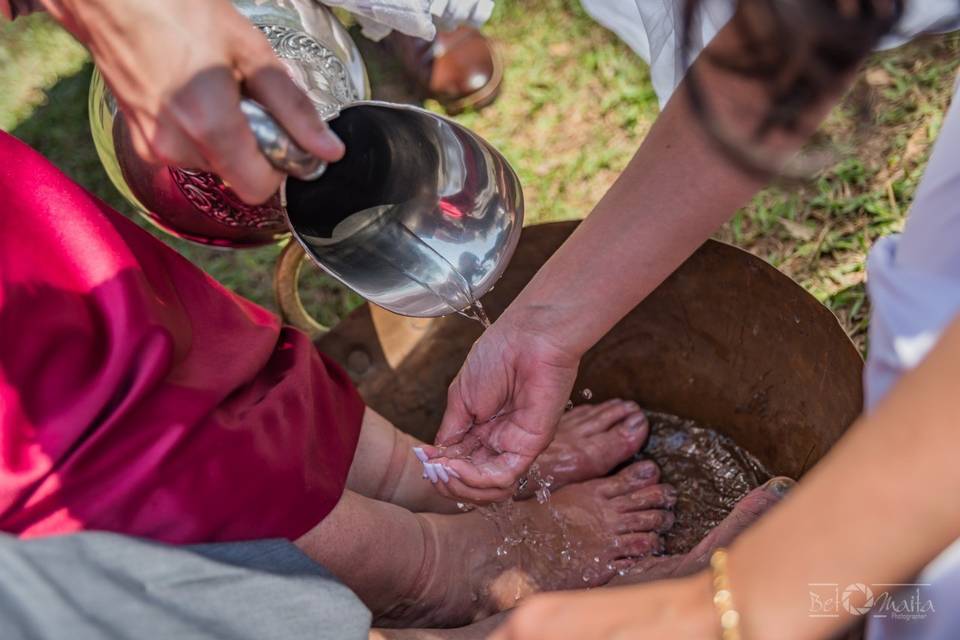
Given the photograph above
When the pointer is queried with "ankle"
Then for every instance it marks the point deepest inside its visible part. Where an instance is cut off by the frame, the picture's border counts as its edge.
(394, 471)
(415, 601)
(450, 586)
(402, 483)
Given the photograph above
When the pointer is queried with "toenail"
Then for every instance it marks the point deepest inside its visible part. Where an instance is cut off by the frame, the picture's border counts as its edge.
(431, 472)
(421, 455)
(647, 470)
(442, 472)
(635, 422)
(779, 486)
(633, 406)
(668, 521)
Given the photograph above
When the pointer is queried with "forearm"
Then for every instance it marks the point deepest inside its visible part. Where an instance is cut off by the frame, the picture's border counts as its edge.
(676, 191)
(879, 507)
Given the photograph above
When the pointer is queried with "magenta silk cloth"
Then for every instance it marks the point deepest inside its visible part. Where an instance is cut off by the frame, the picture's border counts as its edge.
(139, 396)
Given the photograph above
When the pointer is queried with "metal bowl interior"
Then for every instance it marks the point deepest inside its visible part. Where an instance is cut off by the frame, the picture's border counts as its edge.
(420, 217)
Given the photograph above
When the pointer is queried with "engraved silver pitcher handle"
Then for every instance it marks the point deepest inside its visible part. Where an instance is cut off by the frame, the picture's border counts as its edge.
(277, 145)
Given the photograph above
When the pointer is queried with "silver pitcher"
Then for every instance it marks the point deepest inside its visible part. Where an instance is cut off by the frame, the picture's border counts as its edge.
(420, 217)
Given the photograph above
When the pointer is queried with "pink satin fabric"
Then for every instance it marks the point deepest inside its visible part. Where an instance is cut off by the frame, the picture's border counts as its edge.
(139, 396)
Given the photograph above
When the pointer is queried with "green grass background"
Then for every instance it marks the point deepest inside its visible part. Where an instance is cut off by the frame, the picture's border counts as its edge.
(575, 105)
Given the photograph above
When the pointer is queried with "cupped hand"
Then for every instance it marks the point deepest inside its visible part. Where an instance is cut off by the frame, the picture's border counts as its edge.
(666, 610)
(178, 68)
(502, 412)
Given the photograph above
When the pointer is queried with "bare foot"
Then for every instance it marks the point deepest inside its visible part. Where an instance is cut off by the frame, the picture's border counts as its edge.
(744, 514)
(483, 562)
(591, 440)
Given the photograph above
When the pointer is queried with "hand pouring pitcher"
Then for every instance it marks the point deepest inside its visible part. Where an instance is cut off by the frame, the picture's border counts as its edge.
(420, 217)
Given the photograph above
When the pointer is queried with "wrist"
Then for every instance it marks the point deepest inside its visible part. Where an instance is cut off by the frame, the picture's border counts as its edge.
(699, 613)
(540, 327)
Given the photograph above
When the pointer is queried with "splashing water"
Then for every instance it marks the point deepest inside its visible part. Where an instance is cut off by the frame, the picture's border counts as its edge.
(540, 481)
(476, 312)
(551, 545)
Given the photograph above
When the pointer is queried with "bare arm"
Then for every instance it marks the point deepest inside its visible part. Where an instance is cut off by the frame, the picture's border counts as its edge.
(679, 187)
(883, 499)
(676, 191)
(879, 507)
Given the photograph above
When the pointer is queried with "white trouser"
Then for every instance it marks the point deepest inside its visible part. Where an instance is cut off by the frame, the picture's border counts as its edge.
(418, 18)
(653, 28)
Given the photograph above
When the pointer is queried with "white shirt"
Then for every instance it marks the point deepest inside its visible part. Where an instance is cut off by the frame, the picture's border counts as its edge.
(913, 278)
(653, 28)
(914, 286)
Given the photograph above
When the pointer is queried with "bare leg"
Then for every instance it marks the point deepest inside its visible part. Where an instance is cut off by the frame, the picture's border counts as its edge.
(591, 440)
(384, 468)
(433, 570)
(648, 569)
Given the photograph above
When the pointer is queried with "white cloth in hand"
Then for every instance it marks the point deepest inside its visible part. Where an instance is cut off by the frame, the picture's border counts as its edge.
(417, 18)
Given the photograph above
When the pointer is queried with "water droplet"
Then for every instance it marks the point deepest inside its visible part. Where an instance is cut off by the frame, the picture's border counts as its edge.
(596, 559)
(569, 405)
(586, 394)
(501, 551)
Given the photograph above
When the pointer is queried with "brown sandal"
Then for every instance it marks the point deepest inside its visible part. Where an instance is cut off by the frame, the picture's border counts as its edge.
(460, 69)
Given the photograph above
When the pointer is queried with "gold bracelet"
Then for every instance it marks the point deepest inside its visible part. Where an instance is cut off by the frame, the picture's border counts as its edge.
(723, 597)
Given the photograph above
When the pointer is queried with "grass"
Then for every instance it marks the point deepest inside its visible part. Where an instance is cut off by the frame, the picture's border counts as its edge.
(575, 105)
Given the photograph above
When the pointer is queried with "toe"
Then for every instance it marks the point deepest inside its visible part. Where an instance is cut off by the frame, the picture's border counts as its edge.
(638, 545)
(635, 476)
(744, 514)
(655, 520)
(574, 417)
(750, 508)
(658, 496)
(606, 415)
(622, 566)
(609, 448)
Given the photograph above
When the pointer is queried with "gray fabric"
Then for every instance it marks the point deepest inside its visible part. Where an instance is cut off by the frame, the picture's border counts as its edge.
(105, 586)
